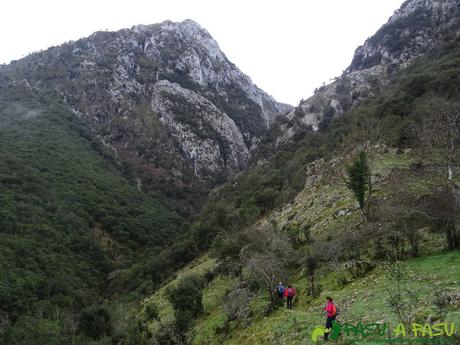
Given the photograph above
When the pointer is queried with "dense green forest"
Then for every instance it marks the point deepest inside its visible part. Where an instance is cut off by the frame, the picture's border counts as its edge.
(68, 217)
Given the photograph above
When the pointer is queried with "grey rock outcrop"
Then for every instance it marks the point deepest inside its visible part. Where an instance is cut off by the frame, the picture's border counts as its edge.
(208, 137)
(413, 29)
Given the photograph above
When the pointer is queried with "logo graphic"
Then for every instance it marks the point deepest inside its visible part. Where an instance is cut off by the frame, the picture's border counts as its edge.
(443, 332)
(317, 333)
(321, 331)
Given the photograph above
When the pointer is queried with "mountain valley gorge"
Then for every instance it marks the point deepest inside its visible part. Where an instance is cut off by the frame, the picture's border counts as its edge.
(151, 193)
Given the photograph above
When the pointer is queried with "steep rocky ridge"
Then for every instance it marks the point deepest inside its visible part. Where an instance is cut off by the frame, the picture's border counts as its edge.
(413, 29)
(161, 96)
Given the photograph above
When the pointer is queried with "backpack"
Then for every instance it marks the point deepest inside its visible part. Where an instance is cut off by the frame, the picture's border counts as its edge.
(291, 292)
(336, 309)
(280, 289)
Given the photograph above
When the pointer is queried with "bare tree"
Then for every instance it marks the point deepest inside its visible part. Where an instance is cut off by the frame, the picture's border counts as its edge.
(401, 211)
(438, 133)
(442, 209)
(267, 257)
(265, 269)
(366, 134)
(400, 299)
(236, 304)
(311, 265)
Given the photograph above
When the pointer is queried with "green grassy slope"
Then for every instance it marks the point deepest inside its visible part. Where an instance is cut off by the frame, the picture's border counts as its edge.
(325, 213)
(363, 300)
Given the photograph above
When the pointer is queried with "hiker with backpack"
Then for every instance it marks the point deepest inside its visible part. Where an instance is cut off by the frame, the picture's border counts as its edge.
(289, 293)
(279, 292)
(331, 312)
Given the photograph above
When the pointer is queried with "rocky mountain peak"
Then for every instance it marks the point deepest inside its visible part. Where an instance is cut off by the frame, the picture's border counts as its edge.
(187, 31)
(198, 56)
(410, 31)
(440, 9)
(164, 95)
(415, 28)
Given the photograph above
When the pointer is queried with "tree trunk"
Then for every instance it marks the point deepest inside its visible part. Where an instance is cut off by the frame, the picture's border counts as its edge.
(453, 241)
(414, 242)
(271, 293)
(311, 284)
(414, 245)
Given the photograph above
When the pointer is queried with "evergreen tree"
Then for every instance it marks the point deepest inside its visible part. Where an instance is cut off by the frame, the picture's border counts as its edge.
(359, 178)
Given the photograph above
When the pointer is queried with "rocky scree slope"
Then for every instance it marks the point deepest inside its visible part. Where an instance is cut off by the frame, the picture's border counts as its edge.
(416, 27)
(163, 96)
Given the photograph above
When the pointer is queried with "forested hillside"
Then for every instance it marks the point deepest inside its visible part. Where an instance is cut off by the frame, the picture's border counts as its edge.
(68, 217)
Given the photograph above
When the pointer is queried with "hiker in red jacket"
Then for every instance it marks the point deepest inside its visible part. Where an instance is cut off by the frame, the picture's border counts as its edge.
(331, 313)
(289, 293)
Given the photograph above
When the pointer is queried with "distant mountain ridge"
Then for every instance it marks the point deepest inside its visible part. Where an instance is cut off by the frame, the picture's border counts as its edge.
(124, 83)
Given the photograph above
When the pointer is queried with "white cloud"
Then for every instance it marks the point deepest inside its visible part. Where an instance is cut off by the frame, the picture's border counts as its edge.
(287, 47)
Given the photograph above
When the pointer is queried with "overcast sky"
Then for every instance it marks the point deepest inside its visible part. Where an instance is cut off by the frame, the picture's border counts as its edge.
(287, 47)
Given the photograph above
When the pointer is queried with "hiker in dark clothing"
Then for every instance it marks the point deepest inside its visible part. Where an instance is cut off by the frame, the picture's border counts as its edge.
(279, 292)
(331, 312)
(289, 293)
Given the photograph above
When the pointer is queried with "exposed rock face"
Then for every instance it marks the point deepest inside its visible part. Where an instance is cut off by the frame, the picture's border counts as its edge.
(416, 27)
(163, 94)
(207, 136)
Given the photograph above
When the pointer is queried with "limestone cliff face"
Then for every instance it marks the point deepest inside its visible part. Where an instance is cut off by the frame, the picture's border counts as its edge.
(161, 95)
(413, 29)
(207, 136)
